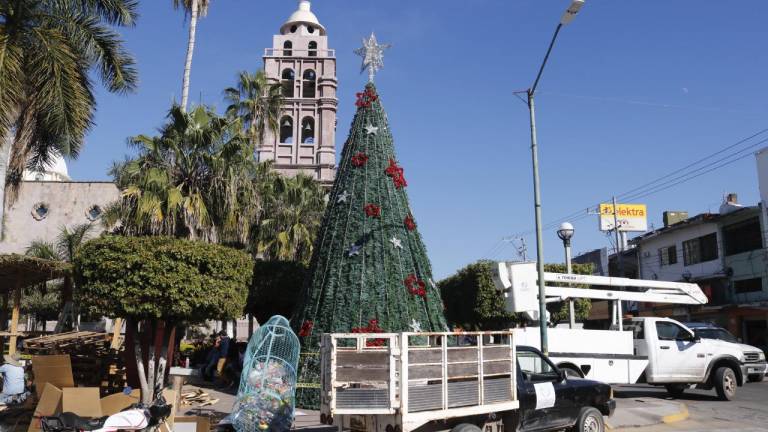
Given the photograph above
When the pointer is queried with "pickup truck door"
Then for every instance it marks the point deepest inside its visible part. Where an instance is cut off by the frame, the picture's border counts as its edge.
(546, 401)
(679, 357)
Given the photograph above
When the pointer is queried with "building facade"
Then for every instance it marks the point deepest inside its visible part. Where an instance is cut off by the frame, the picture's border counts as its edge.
(305, 67)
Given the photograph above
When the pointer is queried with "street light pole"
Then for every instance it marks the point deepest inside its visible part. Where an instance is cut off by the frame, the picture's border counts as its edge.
(566, 234)
(567, 17)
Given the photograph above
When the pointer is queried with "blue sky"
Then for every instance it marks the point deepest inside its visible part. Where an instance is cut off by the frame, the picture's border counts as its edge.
(633, 91)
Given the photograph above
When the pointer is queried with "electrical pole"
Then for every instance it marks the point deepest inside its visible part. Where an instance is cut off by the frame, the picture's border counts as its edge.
(619, 248)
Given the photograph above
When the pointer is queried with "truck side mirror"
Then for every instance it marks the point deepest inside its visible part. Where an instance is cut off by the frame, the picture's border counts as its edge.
(562, 375)
(697, 339)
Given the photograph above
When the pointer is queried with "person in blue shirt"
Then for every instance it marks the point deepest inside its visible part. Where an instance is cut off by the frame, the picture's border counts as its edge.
(13, 381)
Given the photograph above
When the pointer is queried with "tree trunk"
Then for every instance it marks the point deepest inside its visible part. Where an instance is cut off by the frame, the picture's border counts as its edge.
(190, 50)
(146, 395)
(151, 364)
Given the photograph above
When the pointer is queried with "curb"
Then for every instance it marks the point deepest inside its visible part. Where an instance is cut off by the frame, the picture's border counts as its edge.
(677, 417)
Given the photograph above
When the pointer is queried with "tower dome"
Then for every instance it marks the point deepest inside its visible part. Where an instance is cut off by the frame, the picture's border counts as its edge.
(55, 171)
(302, 16)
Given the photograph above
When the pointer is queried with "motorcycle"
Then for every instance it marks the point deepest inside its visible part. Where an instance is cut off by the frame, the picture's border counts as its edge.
(134, 418)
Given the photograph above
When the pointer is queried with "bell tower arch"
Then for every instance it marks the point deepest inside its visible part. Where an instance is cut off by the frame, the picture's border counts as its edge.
(301, 62)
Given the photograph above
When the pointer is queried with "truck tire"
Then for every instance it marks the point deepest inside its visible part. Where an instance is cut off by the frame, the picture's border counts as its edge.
(676, 390)
(590, 420)
(725, 383)
(756, 378)
(466, 427)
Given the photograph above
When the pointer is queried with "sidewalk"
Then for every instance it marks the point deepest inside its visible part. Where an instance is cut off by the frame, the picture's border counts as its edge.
(645, 411)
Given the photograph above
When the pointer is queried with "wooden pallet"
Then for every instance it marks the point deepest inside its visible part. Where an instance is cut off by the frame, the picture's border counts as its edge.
(65, 341)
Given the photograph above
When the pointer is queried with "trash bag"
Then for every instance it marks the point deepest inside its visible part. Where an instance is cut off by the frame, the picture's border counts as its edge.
(266, 397)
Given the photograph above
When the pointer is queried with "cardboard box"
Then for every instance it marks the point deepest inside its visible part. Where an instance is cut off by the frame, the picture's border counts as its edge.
(53, 369)
(117, 402)
(83, 401)
(50, 404)
(189, 424)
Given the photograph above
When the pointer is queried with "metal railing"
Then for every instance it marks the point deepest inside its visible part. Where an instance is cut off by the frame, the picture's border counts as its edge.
(293, 52)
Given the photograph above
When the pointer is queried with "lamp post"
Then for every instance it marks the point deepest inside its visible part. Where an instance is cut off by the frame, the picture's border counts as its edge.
(566, 233)
(567, 17)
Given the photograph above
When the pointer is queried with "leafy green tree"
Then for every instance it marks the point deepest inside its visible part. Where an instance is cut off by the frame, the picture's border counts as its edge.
(161, 280)
(256, 102)
(292, 213)
(275, 289)
(197, 180)
(193, 9)
(50, 51)
(472, 301)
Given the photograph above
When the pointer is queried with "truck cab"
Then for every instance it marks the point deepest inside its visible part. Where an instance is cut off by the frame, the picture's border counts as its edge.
(754, 357)
(679, 359)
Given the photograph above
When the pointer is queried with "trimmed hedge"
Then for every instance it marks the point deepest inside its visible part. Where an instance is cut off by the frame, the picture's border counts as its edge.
(162, 278)
(276, 288)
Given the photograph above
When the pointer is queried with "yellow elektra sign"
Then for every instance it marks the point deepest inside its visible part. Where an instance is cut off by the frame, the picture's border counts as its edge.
(630, 217)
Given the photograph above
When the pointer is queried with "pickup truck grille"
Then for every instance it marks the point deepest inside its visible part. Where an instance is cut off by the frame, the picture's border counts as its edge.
(751, 356)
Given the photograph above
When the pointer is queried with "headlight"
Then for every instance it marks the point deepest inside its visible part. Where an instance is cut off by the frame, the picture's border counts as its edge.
(761, 355)
(610, 394)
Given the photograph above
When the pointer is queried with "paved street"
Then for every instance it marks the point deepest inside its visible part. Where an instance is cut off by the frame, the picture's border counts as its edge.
(747, 413)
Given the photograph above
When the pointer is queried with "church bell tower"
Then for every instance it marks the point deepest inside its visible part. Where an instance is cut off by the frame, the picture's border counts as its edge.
(305, 67)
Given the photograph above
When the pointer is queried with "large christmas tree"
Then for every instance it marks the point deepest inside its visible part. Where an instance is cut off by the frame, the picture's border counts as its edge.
(370, 271)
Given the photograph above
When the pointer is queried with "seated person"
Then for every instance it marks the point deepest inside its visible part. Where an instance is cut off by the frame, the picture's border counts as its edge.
(13, 381)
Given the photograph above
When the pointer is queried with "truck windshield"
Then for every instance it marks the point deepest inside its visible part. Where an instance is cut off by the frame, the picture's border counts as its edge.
(720, 334)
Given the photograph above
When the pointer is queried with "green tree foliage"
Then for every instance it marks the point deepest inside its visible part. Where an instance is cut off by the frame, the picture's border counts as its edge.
(275, 289)
(256, 103)
(197, 180)
(473, 303)
(162, 278)
(292, 213)
(50, 51)
(43, 302)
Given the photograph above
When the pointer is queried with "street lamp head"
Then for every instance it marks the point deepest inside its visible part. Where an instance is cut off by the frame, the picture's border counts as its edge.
(571, 12)
(565, 232)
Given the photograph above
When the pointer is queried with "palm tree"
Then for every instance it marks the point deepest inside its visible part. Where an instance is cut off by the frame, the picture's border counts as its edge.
(193, 9)
(292, 216)
(48, 50)
(256, 102)
(64, 249)
(196, 180)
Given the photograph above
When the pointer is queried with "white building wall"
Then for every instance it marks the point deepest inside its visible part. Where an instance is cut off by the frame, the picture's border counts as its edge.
(650, 263)
(762, 181)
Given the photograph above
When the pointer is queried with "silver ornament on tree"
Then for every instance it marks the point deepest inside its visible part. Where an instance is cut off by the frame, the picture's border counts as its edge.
(372, 53)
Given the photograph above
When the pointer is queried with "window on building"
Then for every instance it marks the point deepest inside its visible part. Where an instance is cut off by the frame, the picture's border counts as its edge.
(308, 86)
(286, 130)
(741, 237)
(748, 285)
(312, 49)
(700, 249)
(288, 48)
(308, 130)
(288, 78)
(668, 255)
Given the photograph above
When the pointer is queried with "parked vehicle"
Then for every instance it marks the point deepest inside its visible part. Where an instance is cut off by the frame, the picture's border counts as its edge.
(459, 382)
(659, 351)
(754, 357)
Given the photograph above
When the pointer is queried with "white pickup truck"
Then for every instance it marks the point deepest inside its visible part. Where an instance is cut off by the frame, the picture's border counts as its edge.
(659, 351)
(678, 359)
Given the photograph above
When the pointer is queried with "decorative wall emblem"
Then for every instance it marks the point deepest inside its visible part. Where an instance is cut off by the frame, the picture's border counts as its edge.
(40, 211)
(94, 212)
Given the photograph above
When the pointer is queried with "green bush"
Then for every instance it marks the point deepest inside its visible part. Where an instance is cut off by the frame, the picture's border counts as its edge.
(473, 303)
(162, 278)
(276, 288)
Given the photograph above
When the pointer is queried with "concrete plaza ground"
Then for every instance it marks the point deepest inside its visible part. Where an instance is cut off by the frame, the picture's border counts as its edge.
(640, 408)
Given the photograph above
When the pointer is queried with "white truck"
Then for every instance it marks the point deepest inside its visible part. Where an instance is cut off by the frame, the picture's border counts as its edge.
(658, 351)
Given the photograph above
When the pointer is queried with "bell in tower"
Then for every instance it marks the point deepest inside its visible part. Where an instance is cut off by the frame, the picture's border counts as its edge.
(301, 62)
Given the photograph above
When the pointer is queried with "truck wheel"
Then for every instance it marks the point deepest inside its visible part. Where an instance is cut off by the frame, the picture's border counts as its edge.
(725, 383)
(590, 420)
(756, 378)
(466, 427)
(676, 390)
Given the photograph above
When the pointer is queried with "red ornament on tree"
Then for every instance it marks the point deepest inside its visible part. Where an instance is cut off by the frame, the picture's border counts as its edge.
(359, 159)
(306, 328)
(372, 210)
(410, 225)
(365, 98)
(415, 285)
(396, 172)
(372, 327)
